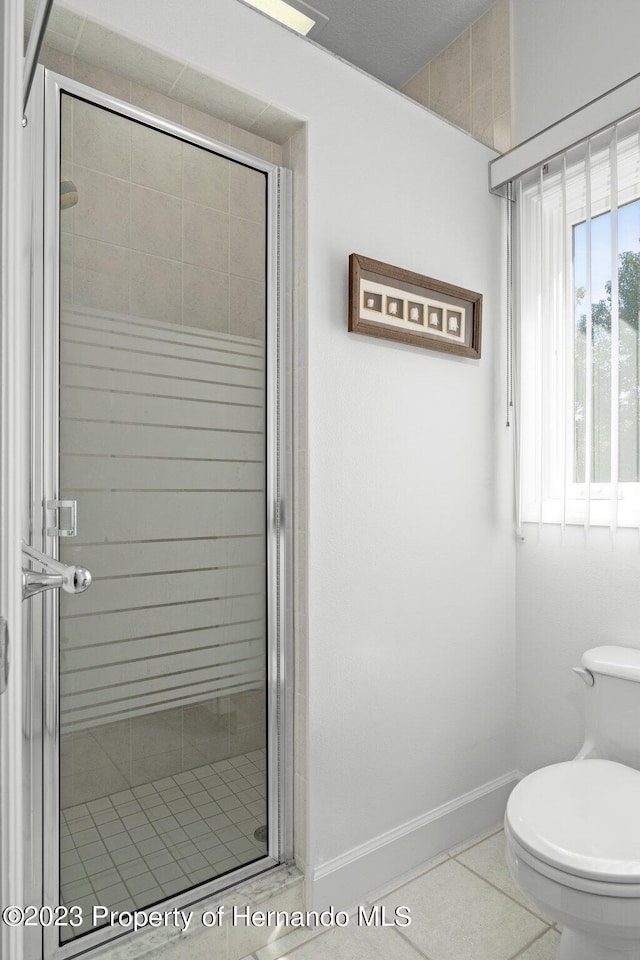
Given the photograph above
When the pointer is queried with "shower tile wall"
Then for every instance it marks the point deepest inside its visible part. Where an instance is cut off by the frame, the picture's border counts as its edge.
(107, 758)
(192, 235)
(163, 230)
(469, 82)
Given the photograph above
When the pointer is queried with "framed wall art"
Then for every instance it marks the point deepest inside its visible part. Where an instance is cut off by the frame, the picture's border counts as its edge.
(396, 304)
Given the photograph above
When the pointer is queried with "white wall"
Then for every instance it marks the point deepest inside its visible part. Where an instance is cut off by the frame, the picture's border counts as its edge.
(411, 556)
(574, 590)
(566, 53)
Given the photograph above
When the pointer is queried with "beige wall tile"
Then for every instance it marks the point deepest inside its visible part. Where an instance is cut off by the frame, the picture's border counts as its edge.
(250, 143)
(61, 42)
(118, 54)
(66, 266)
(486, 135)
(451, 75)
(101, 140)
(502, 133)
(205, 178)
(286, 153)
(56, 60)
(205, 299)
(481, 109)
(155, 103)
(482, 39)
(156, 223)
(156, 160)
(101, 79)
(501, 85)
(248, 193)
(246, 739)
(87, 753)
(103, 208)
(100, 275)
(156, 288)
(501, 27)
(250, 705)
(460, 114)
(203, 720)
(206, 124)
(298, 152)
(66, 127)
(130, 180)
(65, 23)
(247, 249)
(205, 237)
(275, 125)
(91, 784)
(114, 738)
(147, 768)
(418, 87)
(206, 732)
(66, 758)
(461, 77)
(201, 91)
(150, 735)
(246, 308)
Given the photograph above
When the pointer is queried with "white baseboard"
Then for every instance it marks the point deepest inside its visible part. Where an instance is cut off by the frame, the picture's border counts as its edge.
(347, 880)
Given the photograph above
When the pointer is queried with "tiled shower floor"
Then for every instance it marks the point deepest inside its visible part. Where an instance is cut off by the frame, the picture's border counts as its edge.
(141, 845)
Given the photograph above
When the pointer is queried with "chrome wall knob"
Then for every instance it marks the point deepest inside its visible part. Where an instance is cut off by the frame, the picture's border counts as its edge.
(76, 580)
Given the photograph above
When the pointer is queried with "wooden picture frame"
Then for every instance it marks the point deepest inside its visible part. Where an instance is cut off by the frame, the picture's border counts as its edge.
(396, 304)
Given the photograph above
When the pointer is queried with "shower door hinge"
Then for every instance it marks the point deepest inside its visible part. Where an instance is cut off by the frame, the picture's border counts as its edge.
(70, 527)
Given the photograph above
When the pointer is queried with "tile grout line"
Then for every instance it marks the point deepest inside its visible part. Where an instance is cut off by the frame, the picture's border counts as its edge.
(504, 893)
(447, 856)
(404, 937)
(530, 944)
(186, 790)
(475, 843)
(405, 883)
(411, 944)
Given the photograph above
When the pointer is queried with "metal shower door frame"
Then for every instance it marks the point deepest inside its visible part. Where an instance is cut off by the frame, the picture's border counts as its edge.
(45, 112)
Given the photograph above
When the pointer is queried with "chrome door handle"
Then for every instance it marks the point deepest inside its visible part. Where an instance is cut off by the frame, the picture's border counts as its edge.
(71, 579)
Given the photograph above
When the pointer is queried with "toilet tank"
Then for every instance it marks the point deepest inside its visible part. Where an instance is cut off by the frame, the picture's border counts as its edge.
(612, 705)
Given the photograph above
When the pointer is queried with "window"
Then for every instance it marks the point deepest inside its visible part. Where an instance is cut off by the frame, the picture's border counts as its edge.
(628, 353)
(579, 337)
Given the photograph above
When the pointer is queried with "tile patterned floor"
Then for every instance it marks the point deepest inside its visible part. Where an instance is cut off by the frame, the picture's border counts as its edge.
(142, 845)
(464, 906)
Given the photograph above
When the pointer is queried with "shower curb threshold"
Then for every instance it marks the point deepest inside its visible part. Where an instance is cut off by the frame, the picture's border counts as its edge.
(251, 892)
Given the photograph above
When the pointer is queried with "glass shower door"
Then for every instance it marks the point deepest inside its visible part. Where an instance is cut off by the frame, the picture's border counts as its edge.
(161, 492)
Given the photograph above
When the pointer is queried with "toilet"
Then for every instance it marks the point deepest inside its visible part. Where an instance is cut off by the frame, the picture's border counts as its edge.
(573, 829)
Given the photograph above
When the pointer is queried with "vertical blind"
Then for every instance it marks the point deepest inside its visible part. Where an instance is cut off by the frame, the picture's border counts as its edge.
(578, 291)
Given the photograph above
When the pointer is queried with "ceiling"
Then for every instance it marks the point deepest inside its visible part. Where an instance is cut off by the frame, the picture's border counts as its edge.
(393, 39)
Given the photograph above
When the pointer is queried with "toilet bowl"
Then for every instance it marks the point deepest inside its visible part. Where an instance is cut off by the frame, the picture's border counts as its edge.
(573, 829)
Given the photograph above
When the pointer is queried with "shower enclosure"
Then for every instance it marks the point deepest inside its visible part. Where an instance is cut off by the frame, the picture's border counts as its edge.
(159, 769)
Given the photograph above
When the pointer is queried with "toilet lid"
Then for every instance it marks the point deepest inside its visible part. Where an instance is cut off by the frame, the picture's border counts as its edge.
(582, 817)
